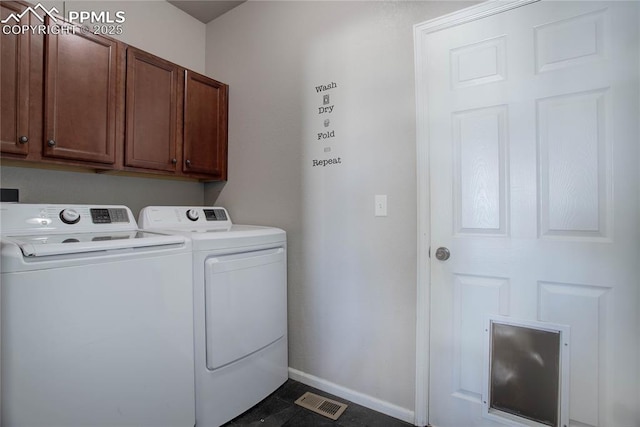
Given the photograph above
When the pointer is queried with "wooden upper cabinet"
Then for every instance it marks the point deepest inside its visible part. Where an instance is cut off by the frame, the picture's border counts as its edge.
(81, 94)
(205, 126)
(152, 106)
(81, 99)
(14, 84)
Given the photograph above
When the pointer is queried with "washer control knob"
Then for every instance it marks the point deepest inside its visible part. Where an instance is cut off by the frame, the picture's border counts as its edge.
(193, 214)
(69, 216)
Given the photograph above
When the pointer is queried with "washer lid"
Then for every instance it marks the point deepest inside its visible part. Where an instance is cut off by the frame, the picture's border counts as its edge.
(61, 244)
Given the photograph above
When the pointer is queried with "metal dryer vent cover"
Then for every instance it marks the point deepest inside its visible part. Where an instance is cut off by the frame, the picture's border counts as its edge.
(321, 405)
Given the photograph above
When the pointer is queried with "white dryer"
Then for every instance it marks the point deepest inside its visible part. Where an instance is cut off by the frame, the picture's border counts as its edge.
(240, 307)
(97, 320)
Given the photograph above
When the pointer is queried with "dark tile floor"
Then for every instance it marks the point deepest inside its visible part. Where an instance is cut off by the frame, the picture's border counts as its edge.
(278, 410)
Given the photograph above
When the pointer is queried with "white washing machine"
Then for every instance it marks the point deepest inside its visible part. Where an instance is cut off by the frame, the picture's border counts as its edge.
(96, 320)
(240, 307)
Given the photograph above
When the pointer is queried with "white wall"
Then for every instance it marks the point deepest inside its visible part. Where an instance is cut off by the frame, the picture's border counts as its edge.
(164, 30)
(352, 276)
(157, 27)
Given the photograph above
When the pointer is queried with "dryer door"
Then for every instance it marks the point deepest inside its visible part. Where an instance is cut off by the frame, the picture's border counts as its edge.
(246, 304)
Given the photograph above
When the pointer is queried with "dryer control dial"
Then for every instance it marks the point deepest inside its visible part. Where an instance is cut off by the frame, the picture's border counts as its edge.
(193, 214)
(69, 216)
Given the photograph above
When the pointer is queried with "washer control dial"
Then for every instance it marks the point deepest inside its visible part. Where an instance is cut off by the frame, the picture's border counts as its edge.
(193, 214)
(69, 216)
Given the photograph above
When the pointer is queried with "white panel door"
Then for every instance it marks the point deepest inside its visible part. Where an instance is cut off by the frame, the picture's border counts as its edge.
(532, 118)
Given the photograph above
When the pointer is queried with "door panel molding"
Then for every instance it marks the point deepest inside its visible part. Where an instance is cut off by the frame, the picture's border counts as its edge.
(420, 31)
(531, 116)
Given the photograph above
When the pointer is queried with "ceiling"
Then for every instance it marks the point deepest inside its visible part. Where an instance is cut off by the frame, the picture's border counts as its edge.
(205, 11)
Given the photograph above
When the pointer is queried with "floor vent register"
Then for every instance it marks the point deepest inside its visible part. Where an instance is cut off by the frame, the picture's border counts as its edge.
(321, 405)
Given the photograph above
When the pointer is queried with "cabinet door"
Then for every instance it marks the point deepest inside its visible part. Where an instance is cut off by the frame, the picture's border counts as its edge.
(14, 84)
(205, 126)
(80, 97)
(152, 112)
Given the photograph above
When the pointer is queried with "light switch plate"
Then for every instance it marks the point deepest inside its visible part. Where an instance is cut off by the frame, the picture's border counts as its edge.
(381, 205)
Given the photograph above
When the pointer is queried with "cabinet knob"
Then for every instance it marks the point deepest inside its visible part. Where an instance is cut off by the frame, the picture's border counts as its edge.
(188, 162)
(51, 143)
(174, 161)
(23, 139)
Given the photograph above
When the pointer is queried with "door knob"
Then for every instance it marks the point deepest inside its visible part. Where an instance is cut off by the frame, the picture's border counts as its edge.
(442, 254)
(51, 143)
(23, 139)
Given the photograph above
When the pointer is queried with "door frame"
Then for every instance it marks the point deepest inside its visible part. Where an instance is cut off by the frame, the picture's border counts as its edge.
(423, 310)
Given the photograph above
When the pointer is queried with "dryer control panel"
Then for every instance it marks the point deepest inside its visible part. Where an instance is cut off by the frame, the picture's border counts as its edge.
(184, 217)
(215, 214)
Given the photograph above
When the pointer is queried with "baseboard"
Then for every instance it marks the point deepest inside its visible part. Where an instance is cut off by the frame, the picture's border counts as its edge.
(370, 402)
